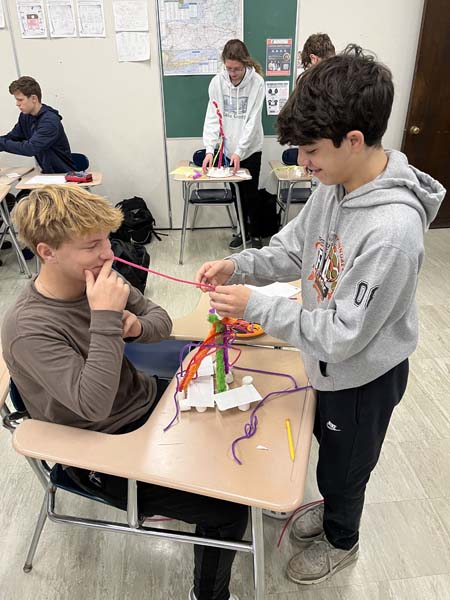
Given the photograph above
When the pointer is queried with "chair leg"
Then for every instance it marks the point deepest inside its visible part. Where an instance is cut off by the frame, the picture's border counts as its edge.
(288, 204)
(230, 216)
(240, 215)
(195, 217)
(36, 536)
(186, 191)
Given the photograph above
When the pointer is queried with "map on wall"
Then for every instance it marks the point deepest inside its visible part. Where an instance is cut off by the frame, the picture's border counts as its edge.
(193, 34)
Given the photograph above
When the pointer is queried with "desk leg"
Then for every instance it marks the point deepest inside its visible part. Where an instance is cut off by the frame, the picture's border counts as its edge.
(4, 213)
(240, 214)
(186, 187)
(258, 554)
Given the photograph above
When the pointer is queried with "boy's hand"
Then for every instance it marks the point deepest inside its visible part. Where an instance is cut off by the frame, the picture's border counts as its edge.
(216, 272)
(235, 162)
(108, 291)
(131, 326)
(230, 300)
(207, 162)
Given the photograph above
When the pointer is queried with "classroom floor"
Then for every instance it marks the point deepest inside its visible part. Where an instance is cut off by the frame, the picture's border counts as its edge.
(405, 530)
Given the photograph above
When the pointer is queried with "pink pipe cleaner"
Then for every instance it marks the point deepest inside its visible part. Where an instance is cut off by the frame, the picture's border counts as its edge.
(204, 286)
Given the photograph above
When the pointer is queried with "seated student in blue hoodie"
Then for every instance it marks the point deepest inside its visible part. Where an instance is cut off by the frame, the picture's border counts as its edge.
(39, 131)
(358, 247)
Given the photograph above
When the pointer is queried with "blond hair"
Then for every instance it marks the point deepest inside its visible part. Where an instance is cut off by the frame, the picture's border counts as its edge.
(58, 213)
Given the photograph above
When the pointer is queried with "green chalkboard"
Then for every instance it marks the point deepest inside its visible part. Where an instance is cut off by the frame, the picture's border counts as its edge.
(186, 97)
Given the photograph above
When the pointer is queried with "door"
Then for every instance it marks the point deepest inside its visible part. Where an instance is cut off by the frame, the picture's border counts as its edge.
(426, 138)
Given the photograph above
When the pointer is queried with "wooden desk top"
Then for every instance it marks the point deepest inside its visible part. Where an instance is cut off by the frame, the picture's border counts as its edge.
(19, 172)
(195, 454)
(195, 327)
(287, 173)
(24, 185)
(4, 190)
(204, 178)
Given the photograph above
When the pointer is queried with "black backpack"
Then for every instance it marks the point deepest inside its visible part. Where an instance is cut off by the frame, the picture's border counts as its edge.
(264, 217)
(138, 222)
(135, 253)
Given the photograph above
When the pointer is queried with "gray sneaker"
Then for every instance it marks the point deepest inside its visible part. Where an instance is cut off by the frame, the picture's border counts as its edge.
(319, 561)
(193, 597)
(308, 525)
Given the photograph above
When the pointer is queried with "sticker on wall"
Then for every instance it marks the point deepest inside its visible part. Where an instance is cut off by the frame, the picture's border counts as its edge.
(278, 57)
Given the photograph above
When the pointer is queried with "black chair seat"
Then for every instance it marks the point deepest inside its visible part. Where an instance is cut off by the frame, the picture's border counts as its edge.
(298, 194)
(211, 196)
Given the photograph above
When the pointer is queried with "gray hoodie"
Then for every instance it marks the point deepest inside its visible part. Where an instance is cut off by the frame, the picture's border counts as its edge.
(241, 108)
(359, 257)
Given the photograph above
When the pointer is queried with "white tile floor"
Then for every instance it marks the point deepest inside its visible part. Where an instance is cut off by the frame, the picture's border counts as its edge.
(405, 531)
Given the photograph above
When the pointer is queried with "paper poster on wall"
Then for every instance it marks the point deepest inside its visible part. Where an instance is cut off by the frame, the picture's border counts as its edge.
(193, 34)
(277, 93)
(130, 15)
(91, 18)
(278, 57)
(2, 16)
(61, 18)
(31, 19)
(133, 46)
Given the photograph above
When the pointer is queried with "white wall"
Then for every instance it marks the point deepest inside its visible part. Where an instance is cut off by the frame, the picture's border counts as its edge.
(112, 111)
(390, 29)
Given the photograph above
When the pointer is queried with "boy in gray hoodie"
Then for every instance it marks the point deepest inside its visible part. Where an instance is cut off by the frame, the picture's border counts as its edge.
(358, 247)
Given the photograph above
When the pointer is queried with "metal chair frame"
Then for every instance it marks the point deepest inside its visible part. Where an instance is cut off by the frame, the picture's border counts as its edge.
(133, 525)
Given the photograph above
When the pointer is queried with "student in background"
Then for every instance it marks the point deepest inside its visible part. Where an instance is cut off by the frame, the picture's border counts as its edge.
(358, 246)
(317, 47)
(239, 91)
(63, 343)
(39, 131)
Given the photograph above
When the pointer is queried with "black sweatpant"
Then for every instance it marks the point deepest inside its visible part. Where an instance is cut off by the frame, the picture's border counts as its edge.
(350, 426)
(213, 518)
(248, 191)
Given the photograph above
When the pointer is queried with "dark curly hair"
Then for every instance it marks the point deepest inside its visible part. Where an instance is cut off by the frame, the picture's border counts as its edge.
(319, 44)
(342, 93)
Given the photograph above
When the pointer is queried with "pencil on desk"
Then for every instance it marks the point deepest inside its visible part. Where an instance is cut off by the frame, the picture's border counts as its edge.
(290, 442)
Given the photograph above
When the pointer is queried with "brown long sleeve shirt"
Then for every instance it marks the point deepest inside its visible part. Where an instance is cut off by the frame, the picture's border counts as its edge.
(68, 363)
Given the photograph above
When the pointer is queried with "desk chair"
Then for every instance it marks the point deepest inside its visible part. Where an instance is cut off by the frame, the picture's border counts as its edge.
(56, 478)
(80, 161)
(203, 196)
(290, 193)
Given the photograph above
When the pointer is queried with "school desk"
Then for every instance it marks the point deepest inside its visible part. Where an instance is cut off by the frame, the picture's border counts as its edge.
(195, 326)
(26, 185)
(195, 454)
(187, 185)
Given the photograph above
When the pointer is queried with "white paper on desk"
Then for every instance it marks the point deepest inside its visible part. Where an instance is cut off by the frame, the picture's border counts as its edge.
(2, 16)
(285, 290)
(133, 46)
(243, 174)
(236, 397)
(91, 18)
(12, 175)
(31, 19)
(61, 18)
(47, 179)
(200, 392)
(130, 15)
